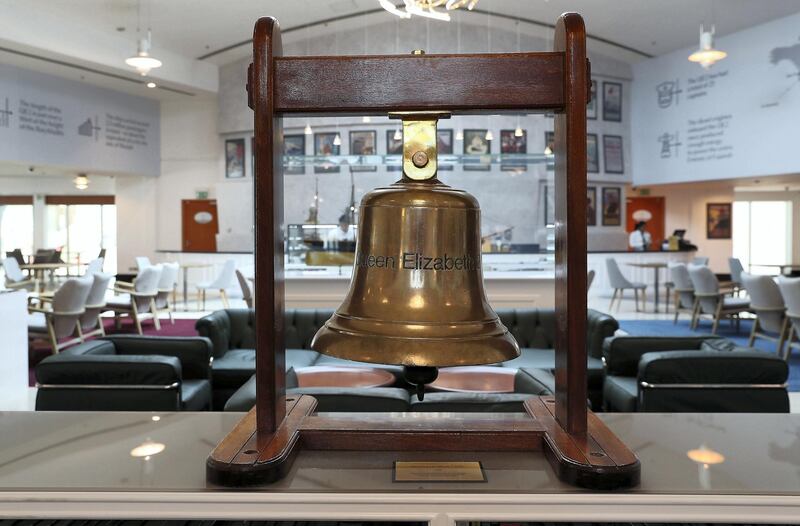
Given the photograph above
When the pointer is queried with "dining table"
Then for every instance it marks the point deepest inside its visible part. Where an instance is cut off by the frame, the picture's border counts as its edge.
(656, 266)
(38, 269)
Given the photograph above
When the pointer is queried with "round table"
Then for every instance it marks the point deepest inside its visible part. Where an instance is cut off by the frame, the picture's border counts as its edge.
(477, 378)
(330, 376)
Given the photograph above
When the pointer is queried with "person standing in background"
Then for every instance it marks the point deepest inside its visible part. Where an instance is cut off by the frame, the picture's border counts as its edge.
(639, 240)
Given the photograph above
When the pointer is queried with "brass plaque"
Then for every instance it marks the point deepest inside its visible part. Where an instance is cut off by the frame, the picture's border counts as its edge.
(438, 472)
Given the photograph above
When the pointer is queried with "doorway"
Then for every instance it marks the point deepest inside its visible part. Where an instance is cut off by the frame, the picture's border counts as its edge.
(651, 210)
(199, 225)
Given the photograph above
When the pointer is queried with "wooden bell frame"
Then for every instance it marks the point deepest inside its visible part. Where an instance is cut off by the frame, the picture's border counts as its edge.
(580, 448)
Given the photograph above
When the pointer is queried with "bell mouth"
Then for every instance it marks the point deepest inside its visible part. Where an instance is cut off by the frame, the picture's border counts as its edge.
(477, 343)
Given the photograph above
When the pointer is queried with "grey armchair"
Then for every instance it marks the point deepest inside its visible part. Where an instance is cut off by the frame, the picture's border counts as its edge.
(710, 301)
(767, 304)
(683, 290)
(700, 260)
(790, 291)
(620, 283)
(57, 317)
(138, 298)
(736, 268)
(167, 283)
(90, 322)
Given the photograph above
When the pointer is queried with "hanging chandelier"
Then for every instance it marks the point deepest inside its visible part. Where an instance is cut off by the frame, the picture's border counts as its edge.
(706, 55)
(426, 8)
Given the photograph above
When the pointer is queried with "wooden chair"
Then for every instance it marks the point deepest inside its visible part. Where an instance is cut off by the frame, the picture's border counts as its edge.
(790, 291)
(167, 285)
(16, 279)
(138, 299)
(620, 284)
(768, 306)
(683, 290)
(223, 281)
(711, 301)
(247, 294)
(58, 317)
(91, 323)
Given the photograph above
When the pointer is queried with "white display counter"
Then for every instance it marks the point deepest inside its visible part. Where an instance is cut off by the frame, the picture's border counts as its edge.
(79, 465)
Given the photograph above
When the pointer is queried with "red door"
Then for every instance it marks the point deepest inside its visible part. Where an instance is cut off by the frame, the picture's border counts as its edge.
(639, 209)
(199, 225)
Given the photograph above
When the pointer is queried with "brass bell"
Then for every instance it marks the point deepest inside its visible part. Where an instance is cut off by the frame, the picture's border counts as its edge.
(416, 297)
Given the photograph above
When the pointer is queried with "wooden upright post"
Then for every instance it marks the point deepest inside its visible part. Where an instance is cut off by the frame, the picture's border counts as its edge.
(269, 236)
(570, 228)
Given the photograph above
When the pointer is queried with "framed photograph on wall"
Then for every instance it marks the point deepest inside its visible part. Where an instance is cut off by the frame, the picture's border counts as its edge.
(511, 144)
(591, 108)
(323, 145)
(612, 154)
(234, 158)
(718, 220)
(591, 206)
(475, 143)
(362, 142)
(294, 145)
(394, 147)
(612, 101)
(550, 146)
(444, 145)
(612, 206)
(592, 154)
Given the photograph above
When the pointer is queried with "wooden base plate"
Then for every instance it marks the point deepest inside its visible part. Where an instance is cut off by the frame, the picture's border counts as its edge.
(598, 460)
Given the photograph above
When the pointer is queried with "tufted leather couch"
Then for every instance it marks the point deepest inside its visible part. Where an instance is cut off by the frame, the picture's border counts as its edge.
(692, 374)
(127, 373)
(232, 334)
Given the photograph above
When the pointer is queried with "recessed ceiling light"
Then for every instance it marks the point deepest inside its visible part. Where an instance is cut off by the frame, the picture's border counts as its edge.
(151, 84)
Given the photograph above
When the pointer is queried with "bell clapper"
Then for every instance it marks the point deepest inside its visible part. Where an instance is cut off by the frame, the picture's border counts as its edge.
(419, 377)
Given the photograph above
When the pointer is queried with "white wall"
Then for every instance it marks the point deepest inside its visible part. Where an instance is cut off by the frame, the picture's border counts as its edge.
(149, 210)
(737, 119)
(685, 206)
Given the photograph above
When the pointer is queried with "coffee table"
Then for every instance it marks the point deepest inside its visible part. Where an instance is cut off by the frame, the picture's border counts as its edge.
(477, 378)
(331, 376)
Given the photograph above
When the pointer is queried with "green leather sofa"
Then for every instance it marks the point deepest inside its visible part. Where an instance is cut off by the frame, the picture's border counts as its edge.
(232, 334)
(692, 374)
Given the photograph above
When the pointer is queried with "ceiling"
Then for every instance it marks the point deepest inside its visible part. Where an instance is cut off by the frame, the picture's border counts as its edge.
(195, 28)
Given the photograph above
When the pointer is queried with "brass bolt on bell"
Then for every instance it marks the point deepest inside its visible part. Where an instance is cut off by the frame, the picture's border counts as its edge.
(416, 298)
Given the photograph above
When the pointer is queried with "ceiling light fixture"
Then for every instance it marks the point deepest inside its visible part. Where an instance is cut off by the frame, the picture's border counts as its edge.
(365, 119)
(81, 182)
(142, 61)
(398, 135)
(337, 141)
(307, 130)
(706, 55)
(426, 8)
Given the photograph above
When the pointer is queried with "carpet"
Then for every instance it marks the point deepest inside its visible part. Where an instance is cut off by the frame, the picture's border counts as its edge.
(667, 328)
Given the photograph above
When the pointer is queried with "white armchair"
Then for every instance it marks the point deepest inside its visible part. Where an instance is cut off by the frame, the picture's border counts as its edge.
(57, 317)
(224, 280)
(138, 299)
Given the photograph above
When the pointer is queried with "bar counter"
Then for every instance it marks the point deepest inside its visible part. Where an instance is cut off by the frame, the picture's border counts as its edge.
(83, 465)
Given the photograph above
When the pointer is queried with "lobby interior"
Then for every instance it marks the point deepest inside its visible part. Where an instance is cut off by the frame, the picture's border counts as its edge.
(128, 218)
